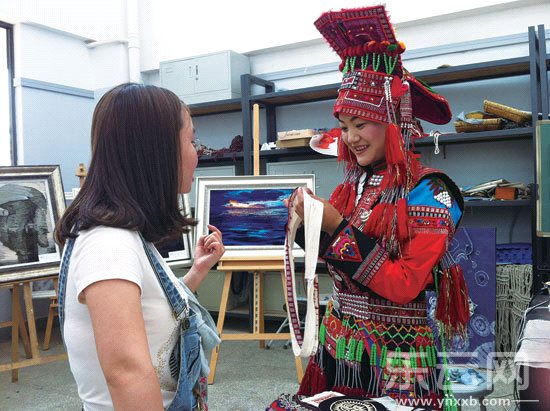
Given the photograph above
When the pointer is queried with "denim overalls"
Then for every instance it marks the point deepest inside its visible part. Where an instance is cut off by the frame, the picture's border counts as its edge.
(184, 362)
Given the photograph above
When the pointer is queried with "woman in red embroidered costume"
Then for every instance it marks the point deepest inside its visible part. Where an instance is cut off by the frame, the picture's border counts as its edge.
(385, 228)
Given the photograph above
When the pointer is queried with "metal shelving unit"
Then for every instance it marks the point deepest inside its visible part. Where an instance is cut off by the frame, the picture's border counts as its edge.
(525, 133)
(225, 158)
(448, 75)
(540, 66)
(272, 99)
(497, 203)
(216, 107)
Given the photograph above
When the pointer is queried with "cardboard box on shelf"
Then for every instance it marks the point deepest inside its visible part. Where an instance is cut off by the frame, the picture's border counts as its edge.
(295, 134)
(295, 142)
(506, 193)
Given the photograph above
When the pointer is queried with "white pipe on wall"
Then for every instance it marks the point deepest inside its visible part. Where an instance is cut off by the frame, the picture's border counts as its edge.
(132, 19)
(18, 94)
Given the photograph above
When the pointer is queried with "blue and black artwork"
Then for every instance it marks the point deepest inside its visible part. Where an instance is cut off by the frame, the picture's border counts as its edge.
(250, 217)
(23, 225)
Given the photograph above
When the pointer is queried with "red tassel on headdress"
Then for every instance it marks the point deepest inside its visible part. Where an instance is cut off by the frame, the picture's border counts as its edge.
(336, 197)
(402, 220)
(374, 222)
(389, 221)
(350, 206)
(395, 148)
(344, 153)
(453, 308)
(343, 198)
(314, 380)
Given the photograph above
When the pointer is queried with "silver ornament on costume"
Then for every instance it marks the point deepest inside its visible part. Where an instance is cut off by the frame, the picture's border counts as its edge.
(375, 180)
(444, 198)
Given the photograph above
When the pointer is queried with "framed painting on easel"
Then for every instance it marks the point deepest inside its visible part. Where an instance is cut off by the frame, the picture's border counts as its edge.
(177, 252)
(248, 210)
(31, 202)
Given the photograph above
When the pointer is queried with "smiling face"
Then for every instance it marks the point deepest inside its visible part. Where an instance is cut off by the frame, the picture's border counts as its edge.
(366, 139)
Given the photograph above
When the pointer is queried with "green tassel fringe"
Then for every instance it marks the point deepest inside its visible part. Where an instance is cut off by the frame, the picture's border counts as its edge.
(350, 355)
(359, 351)
(341, 348)
(322, 333)
(383, 357)
(373, 355)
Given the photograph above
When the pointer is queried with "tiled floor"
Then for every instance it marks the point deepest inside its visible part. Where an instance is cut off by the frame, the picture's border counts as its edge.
(247, 379)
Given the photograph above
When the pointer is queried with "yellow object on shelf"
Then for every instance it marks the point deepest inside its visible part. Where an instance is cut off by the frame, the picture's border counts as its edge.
(294, 134)
(481, 125)
(295, 142)
(509, 113)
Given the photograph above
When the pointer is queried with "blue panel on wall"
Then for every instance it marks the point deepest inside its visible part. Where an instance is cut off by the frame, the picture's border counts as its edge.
(56, 130)
(475, 250)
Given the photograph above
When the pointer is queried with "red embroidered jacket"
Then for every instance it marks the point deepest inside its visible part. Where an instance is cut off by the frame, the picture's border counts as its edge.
(357, 262)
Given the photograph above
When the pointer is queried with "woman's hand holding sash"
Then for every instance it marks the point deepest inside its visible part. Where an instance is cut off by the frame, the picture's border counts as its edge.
(304, 345)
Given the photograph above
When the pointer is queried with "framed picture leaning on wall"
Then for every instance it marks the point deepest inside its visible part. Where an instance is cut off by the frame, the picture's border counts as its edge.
(248, 210)
(177, 252)
(31, 202)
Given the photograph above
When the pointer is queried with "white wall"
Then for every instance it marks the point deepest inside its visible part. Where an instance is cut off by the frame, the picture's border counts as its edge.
(53, 57)
(97, 19)
(476, 24)
(171, 30)
(440, 31)
(183, 29)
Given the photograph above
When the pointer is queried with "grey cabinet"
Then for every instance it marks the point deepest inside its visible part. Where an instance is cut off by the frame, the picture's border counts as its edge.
(209, 77)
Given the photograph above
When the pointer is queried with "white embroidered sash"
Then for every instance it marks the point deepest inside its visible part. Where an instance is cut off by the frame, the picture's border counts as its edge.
(305, 345)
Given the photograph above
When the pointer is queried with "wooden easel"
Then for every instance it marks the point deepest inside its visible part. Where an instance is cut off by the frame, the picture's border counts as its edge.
(258, 266)
(30, 340)
(81, 173)
(17, 323)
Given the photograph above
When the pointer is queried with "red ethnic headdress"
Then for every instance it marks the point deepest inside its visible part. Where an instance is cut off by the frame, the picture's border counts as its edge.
(376, 87)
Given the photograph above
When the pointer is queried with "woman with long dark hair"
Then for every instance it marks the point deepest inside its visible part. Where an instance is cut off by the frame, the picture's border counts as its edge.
(127, 322)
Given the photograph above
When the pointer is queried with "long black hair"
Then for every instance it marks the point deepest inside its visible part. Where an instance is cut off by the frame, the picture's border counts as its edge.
(133, 177)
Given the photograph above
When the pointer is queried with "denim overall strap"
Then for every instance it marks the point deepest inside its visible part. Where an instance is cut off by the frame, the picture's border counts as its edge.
(62, 281)
(185, 358)
(178, 304)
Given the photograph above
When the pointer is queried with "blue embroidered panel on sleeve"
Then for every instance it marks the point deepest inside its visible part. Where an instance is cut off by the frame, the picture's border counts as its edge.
(432, 192)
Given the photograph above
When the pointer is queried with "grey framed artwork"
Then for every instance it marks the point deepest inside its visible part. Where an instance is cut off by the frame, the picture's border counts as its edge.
(248, 210)
(31, 202)
(177, 252)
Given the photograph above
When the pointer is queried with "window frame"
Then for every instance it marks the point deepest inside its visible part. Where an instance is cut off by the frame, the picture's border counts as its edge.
(11, 103)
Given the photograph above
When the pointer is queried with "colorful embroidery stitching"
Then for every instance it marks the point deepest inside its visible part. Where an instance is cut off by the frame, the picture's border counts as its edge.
(344, 247)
